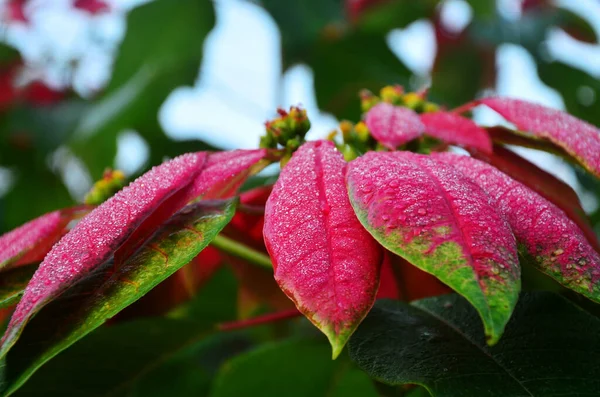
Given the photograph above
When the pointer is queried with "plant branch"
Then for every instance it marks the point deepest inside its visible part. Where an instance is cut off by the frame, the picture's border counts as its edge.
(241, 251)
(260, 320)
(464, 108)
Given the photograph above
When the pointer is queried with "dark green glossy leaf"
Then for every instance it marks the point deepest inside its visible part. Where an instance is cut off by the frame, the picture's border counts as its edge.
(291, 368)
(550, 348)
(108, 290)
(161, 51)
(13, 283)
(144, 358)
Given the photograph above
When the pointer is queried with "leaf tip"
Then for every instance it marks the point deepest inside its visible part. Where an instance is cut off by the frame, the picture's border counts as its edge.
(337, 346)
(338, 339)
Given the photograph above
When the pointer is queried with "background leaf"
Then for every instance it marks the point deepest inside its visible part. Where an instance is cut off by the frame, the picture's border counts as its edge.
(550, 347)
(308, 371)
(109, 289)
(142, 357)
(13, 283)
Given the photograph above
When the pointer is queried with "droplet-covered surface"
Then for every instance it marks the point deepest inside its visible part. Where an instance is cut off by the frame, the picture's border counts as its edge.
(323, 258)
(16, 243)
(556, 244)
(454, 129)
(100, 233)
(578, 138)
(545, 184)
(393, 126)
(224, 173)
(442, 222)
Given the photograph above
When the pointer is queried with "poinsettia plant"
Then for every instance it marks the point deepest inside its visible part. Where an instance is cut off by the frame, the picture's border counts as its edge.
(384, 208)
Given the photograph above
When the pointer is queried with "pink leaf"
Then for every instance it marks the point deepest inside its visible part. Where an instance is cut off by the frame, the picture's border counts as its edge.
(94, 240)
(545, 184)
(324, 260)
(455, 129)
(553, 241)
(440, 221)
(15, 11)
(226, 171)
(580, 139)
(92, 6)
(393, 126)
(16, 244)
(219, 177)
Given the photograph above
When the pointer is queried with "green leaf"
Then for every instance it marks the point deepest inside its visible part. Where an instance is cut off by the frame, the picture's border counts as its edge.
(161, 51)
(144, 357)
(291, 368)
(344, 67)
(550, 348)
(13, 283)
(8, 53)
(302, 22)
(108, 290)
(385, 16)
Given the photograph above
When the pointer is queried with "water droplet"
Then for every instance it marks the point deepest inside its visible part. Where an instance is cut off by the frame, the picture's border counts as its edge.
(421, 211)
(385, 218)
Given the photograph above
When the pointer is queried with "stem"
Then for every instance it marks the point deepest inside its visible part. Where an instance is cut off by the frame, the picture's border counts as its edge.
(260, 320)
(464, 108)
(241, 251)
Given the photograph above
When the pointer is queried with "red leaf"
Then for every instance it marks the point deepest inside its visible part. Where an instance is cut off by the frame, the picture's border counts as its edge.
(15, 11)
(545, 184)
(389, 287)
(440, 221)
(256, 288)
(554, 242)
(324, 260)
(414, 282)
(580, 139)
(94, 240)
(256, 285)
(31, 242)
(247, 224)
(454, 129)
(393, 126)
(39, 93)
(92, 6)
(225, 172)
(505, 136)
(219, 177)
